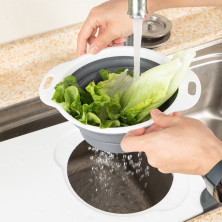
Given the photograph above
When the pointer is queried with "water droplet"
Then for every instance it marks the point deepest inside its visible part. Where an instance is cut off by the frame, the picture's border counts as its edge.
(141, 177)
(123, 178)
(147, 173)
(131, 162)
(139, 164)
(91, 157)
(138, 171)
(145, 185)
(118, 165)
(128, 172)
(129, 157)
(89, 148)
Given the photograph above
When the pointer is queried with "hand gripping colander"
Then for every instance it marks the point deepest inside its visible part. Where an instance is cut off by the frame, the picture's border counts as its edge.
(86, 69)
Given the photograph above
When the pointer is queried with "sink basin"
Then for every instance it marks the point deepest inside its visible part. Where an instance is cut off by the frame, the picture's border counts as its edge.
(208, 67)
(116, 183)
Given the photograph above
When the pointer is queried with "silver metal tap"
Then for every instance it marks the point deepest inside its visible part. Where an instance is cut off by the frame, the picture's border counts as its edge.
(137, 9)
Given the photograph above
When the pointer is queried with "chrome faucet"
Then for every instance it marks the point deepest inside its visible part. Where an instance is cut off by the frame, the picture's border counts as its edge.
(137, 9)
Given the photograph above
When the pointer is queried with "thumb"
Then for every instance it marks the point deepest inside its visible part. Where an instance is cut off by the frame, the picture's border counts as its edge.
(101, 41)
(161, 119)
(132, 141)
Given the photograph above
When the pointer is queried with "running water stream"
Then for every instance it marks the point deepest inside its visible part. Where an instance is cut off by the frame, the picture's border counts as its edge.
(137, 35)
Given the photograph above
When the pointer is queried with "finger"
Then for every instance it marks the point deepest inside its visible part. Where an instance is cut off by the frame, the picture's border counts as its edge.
(119, 40)
(101, 29)
(176, 114)
(102, 41)
(110, 44)
(153, 128)
(91, 40)
(138, 132)
(119, 44)
(132, 143)
(161, 119)
(86, 31)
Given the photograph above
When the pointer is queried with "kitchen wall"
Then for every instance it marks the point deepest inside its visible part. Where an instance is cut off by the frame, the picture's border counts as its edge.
(22, 18)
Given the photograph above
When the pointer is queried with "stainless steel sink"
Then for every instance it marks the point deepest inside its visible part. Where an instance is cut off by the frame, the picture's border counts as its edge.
(124, 189)
(208, 67)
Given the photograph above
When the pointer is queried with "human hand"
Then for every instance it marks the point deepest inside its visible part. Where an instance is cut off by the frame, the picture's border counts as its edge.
(113, 25)
(176, 144)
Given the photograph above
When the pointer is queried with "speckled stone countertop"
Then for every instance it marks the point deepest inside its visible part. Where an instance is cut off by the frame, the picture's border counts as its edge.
(24, 63)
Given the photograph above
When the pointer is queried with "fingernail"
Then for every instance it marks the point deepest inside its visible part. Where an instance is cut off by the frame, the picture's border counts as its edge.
(94, 49)
(156, 112)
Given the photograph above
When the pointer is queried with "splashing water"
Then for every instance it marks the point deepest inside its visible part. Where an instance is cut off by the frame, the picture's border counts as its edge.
(137, 34)
(105, 160)
(117, 183)
(109, 181)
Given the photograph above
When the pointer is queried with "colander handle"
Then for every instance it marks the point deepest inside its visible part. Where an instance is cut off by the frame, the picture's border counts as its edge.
(185, 100)
(57, 76)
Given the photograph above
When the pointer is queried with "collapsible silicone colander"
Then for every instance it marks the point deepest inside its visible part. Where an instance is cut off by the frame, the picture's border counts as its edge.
(86, 69)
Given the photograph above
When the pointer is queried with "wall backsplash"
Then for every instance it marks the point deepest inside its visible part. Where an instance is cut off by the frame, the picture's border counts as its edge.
(23, 18)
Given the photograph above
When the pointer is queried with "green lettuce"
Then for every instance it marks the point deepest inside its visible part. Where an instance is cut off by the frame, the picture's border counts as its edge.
(121, 100)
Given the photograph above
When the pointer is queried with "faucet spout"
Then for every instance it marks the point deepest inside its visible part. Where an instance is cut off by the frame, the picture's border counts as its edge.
(137, 9)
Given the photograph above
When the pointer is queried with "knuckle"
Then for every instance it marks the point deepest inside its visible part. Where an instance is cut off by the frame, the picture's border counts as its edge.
(113, 33)
(93, 11)
(177, 119)
(102, 42)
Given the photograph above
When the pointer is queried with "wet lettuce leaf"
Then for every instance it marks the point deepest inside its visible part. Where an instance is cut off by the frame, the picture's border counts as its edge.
(120, 100)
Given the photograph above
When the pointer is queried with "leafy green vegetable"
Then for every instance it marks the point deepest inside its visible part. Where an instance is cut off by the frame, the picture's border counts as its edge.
(104, 74)
(59, 93)
(119, 100)
(70, 81)
(71, 94)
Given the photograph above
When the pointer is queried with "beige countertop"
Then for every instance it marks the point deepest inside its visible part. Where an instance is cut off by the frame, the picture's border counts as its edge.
(24, 63)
